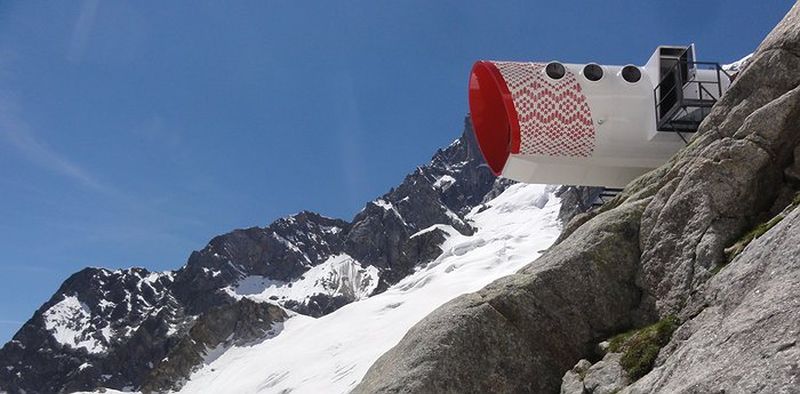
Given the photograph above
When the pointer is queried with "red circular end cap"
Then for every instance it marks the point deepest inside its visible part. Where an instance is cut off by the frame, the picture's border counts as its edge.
(494, 118)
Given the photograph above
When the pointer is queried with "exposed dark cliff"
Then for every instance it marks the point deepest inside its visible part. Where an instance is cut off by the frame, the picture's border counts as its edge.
(239, 323)
(652, 260)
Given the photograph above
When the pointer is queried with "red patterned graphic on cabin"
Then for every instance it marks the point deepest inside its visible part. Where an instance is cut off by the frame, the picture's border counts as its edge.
(554, 117)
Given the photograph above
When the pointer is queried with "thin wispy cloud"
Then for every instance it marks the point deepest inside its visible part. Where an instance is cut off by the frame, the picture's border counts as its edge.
(80, 33)
(27, 268)
(7, 58)
(11, 322)
(155, 130)
(349, 131)
(17, 133)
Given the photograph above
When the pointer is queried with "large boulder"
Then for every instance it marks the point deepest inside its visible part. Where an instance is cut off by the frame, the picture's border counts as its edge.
(523, 331)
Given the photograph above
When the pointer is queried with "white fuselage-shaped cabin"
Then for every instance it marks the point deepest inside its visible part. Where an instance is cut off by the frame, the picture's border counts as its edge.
(589, 124)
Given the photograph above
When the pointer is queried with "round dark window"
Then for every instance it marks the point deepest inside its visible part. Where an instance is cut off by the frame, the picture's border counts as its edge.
(631, 74)
(555, 70)
(593, 72)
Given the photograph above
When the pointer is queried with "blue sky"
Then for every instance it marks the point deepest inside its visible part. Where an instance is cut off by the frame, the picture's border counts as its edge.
(133, 132)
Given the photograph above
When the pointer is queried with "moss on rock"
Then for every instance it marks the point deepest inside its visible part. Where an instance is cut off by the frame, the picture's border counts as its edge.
(738, 246)
(640, 347)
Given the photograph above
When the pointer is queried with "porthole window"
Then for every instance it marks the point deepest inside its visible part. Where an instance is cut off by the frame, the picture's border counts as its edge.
(555, 70)
(592, 72)
(631, 74)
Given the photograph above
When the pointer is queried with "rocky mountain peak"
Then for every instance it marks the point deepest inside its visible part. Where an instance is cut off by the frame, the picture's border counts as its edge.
(113, 328)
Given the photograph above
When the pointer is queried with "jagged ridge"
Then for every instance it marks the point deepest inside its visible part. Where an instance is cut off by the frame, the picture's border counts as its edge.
(113, 328)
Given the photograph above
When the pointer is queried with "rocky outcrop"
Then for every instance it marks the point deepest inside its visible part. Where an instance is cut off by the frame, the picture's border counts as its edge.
(442, 192)
(730, 179)
(745, 336)
(222, 327)
(627, 357)
(576, 200)
(604, 377)
(282, 251)
(650, 253)
(379, 235)
(522, 332)
(90, 326)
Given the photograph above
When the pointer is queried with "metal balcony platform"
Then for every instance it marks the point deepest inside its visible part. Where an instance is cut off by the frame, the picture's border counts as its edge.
(682, 100)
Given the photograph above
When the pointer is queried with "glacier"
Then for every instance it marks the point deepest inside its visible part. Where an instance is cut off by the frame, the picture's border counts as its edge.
(332, 353)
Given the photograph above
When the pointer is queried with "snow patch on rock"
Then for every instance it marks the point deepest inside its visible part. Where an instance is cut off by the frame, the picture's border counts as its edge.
(69, 321)
(383, 204)
(737, 65)
(339, 275)
(444, 182)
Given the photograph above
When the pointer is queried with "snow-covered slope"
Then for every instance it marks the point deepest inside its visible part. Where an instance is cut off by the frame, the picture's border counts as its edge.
(332, 353)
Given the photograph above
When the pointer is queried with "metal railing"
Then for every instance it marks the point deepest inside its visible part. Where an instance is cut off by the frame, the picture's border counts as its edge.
(674, 110)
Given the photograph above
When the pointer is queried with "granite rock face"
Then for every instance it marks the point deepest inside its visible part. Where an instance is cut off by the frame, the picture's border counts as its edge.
(746, 336)
(650, 254)
(572, 382)
(604, 377)
(520, 333)
(729, 179)
(576, 200)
